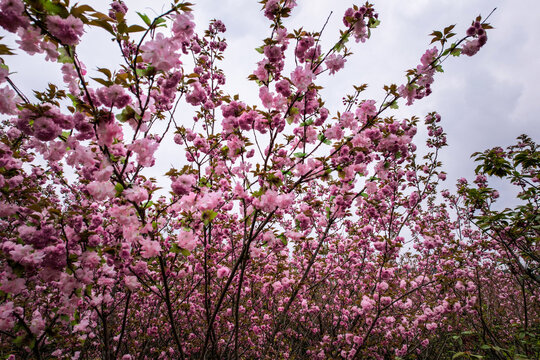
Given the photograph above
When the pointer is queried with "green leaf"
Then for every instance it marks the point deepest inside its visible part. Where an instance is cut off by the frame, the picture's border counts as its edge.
(104, 25)
(88, 290)
(63, 56)
(374, 24)
(448, 29)
(145, 18)
(55, 9)
(300, 154)
(185, 252)
(102, 81)
(18, 341)
(5, 50)
(208, 216)
(323, 139)
(308, 122)
(135, 28)
(458, 354)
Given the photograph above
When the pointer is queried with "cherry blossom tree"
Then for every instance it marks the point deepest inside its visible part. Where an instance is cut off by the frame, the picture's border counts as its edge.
(285, 230)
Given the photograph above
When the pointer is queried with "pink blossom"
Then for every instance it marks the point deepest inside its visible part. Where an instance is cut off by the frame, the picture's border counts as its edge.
(150, 248)
(367, 304)
(30, 40)
(366, 110)
(183, 26)
(161, 52)
(183, 184)
(82, 326)
(113, 95)
(136, 194)
(101, 190)
(145, 148)
(222, 272)
(67, 30)
(428, 58)
(132, 283)
(302, 77)
(471, 47)
(107, 131)
(209, 200)
(186, 240)
(37, 325)
(7, 320)
(334, 63)
(197, 96)
(11, 15)
(15, 286)
(46, 129)
(408, 92)
(8, 100)
(382, 286)
(334, 132)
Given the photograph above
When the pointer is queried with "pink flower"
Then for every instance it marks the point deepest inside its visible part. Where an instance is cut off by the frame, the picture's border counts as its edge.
(161, 52)
(14, 287)
(277, 286)
(113, 96)
(136, 194)
(382, 286)
(223, 272)
(471, 47)
(367, 304)
(334, 63)
(209, 200)
(271, 7)
(197, 96)
(81, 327)
(149, 248)
(46, 129)
(428, 57)
(7, 320)
(408, 92)
(8, 99)
(302, 77)
(30, 40)
(37, 325)
(366, 110)
(183, 26)
(101, 190)
(334, 132)
(11, 15)
(186, 240)
(145, 148)
(182, 185)
(268, 201)
(67, 30)
(131, 282)
(107, 131)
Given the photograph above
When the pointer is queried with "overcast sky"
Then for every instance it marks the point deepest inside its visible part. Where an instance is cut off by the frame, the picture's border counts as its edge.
(485, 100)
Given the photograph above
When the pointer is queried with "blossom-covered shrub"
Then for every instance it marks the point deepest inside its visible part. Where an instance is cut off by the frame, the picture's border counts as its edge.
(285, 229)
